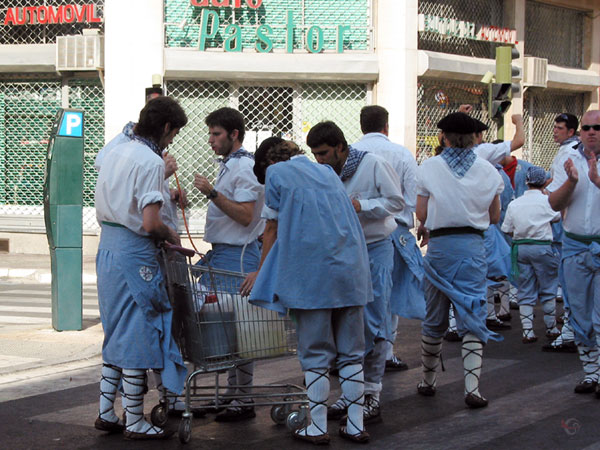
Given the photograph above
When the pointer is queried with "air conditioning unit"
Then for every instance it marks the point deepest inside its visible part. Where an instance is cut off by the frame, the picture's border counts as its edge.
(80, 53)
(535, 71)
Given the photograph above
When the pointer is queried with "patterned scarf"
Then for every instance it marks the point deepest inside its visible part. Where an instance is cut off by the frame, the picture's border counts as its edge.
(128, 132)
(459, 160)
(352, 163)
(241, 153)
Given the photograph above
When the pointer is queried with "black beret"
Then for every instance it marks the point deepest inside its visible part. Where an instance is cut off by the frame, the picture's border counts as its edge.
(260, 157)
(461, 123)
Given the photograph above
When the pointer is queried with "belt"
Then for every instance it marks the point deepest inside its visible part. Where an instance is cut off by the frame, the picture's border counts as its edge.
(586, 239)
(455, 230)
(113, 224)
(514, 253)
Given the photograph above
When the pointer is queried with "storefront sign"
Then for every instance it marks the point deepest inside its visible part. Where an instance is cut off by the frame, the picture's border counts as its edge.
(255, 4)
(33, 15)
(467, 30)
(232, 33)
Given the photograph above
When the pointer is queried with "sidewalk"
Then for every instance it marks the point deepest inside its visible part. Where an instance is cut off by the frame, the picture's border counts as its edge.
(32, 350)
(36, 268)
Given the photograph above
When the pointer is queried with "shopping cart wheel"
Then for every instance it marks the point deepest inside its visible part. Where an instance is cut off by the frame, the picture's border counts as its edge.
(295, 421)
(159, 415)
(185, 430)
(279, 414)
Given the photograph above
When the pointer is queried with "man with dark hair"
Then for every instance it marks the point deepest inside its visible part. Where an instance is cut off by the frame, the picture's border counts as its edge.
(407, 294)
(565, 133)
(233, 225)
(134, 307)
(457, 199)
(534, 260)
(575, 190)
(373, 187)
(315, 263)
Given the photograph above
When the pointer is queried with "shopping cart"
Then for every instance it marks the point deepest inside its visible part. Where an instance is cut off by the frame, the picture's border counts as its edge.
(216, 329)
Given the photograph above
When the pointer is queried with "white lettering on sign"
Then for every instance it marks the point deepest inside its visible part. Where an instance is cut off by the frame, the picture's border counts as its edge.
(466, 30)
(73, 121)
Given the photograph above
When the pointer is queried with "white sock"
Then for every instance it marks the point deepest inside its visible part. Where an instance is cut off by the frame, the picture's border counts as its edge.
(244, 374)
(526, 314)
(549, 308)
(109, 382)
(174, 402)
(317, 391)
(431, 348)
(451, 320)
(352, 384)
(503, 290)
(589, 359)
(134, 384)
(491, 306)
(472, 355)
(389, 351)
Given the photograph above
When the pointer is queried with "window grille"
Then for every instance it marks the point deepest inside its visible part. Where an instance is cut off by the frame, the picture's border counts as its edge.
(287, 110)
(555, 33)
(486, 12)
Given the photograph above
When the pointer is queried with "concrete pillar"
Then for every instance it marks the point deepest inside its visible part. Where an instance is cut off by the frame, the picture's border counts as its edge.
(594, 41)
(134, 50)
(396, 45)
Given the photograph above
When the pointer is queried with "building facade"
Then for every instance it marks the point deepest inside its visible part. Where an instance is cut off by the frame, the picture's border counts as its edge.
(285, 64)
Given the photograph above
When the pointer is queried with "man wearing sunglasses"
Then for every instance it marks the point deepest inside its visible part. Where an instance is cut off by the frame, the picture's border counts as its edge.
(575, 190)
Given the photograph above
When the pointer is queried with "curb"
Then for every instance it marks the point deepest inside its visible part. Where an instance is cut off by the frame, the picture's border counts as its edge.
(42, 276)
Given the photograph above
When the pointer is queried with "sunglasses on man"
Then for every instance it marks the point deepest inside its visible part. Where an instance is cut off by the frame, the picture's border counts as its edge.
(596, 127)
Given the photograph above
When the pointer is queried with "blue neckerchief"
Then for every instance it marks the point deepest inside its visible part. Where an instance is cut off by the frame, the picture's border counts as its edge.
(581, 150)
(240, 153)
(459, 160)
(352, 163)
(572, 139)
(128, 132)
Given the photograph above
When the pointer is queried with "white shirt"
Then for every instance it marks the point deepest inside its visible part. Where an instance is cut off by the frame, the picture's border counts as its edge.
(529, 216)
(129, 180)
(494, 153)
(405, 165)
(376, 187)
(237, 182)
(458, 202)
(562, 150)
(168, 211)
(581, 215)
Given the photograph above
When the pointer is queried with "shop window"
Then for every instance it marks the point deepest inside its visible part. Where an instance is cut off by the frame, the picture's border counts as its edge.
(555, 33)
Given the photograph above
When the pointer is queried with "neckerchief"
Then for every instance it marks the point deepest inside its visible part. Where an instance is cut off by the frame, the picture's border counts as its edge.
(128, 132)
(572, 139)
(352, 163)
(581, 150)
(240, 153)
(459, 160)
(510, 170)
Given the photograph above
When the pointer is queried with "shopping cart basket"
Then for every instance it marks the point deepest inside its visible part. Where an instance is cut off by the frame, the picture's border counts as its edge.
(216, 329)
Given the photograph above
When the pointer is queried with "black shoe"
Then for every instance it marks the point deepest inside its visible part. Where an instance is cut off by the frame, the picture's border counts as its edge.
(475, 401)
(565, 347)
(110, 427)
(452, 336)
(395, 364)
(426, 390)
(505, 317)
(497, 325)
(210, 407)
(586, 386)
(236, 414)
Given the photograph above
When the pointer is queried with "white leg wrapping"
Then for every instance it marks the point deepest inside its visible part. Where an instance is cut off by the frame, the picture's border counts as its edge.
(526, 314)
(174, 402)
(589, 359)
(244, 374)
(491, 305)
(451, 319)
(431, 348)
(549, 308)
(317, 391)
(352, 384)
(134, 384)
(109, 382)
(472, 355)
(503, 290)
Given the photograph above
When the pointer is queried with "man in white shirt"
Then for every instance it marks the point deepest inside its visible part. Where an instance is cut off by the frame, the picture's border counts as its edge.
(457, 199)
(565, 135)
(135, 310)
(534, 260)
(575, 190)
(407, 295)
(233, 223)
(373, 187)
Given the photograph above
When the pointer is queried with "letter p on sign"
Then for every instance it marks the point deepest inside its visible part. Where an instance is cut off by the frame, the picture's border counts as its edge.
(72, 124)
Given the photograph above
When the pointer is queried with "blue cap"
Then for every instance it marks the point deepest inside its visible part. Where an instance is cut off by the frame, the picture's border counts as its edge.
(536, 176)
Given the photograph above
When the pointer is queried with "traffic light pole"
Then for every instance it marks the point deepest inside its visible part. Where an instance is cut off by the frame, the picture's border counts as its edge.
(503, 76)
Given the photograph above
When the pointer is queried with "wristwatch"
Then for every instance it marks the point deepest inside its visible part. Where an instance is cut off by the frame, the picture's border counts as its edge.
(212, 194)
